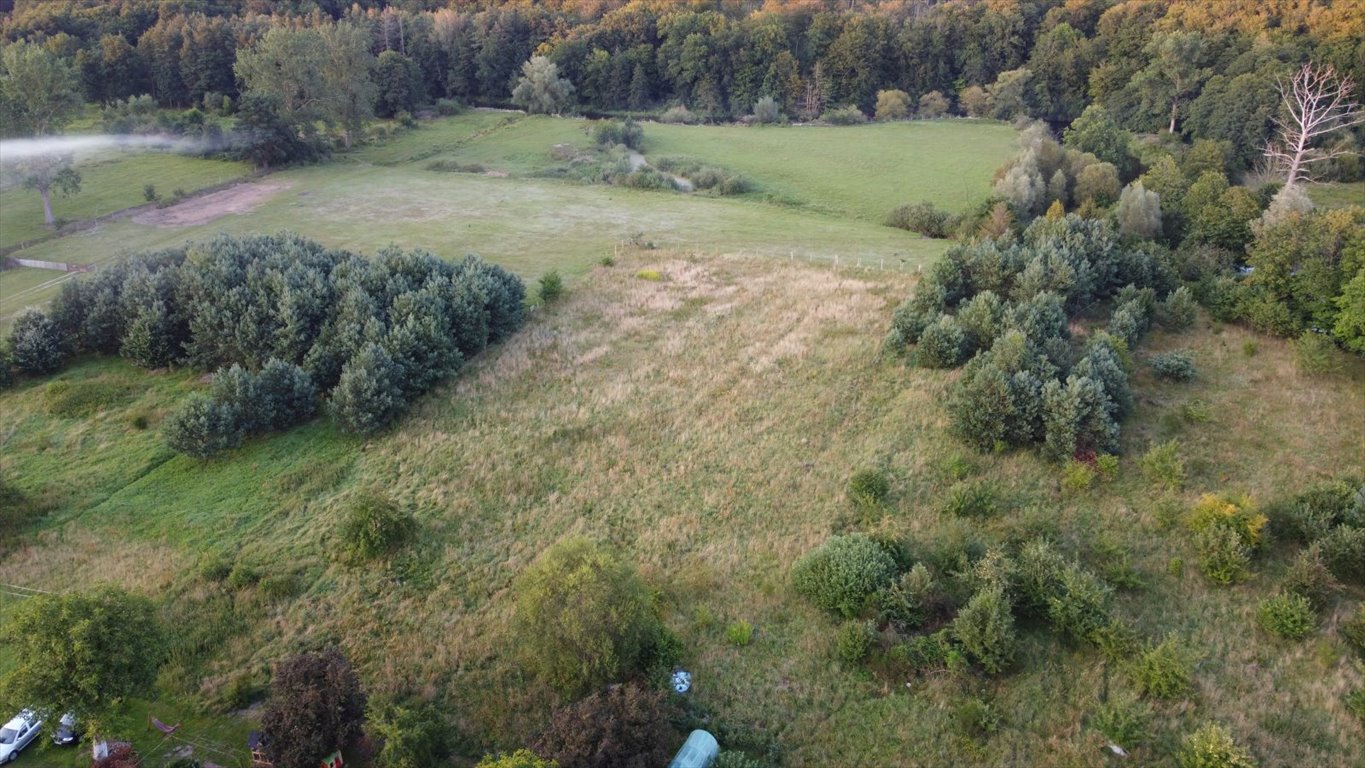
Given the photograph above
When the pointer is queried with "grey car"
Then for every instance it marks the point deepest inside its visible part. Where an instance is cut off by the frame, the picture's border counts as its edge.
(18, 733)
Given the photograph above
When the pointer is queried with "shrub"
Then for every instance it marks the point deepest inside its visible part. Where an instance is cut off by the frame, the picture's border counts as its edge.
(849, 115)
(1080, 606)
(1077, 476)
(1212, 747)
(767, 111)
(923, 218)
(1311, 515)
(1353, 630)
(448, 107)
(1309, 576)
(284, 394)
(584, 618)
(1173, 366)
(982, 319)
(1179, 311)
(942, 345)
(1316, 354)
(932, 106)
(739, 633)
(551, 286)
(840, 575)
(985, 628)
(316, 706)
(1343, 550)
(854, 641)
(1163, 670)
(868, 487)
(522, 758)
(623, 726)
(678, 114)
(1288, 615)
(972, 499)
(1129, 323)
(974, 719)
(1107, 464)
(36, 346)
(1223, 556)
(1124, 720)
(1163, 466)
(892, 105)
(1234, 513)
(368, 395)
(409, 737)
(904, 603)
(376, 526)
(203, 427)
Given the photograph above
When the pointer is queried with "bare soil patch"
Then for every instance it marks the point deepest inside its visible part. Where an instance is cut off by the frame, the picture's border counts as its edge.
(236, 199)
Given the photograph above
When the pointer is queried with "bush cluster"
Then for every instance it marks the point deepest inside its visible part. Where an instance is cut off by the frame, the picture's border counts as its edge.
(241, 403)
(370, 333)
(627, 132)
(1211, 746)
(708, 178)
(923, 218)
(1004, 305)
(1288, 615)
(842, 574)
(849, 115)
(1173, 366)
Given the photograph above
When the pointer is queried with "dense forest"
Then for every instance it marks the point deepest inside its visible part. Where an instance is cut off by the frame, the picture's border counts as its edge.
(1200, 69)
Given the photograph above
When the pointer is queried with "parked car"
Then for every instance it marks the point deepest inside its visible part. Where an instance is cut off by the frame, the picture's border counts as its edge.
(17, 734)
(66, 733)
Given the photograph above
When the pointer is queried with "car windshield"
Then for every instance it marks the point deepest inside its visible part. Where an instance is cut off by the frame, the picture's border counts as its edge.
(7, 735)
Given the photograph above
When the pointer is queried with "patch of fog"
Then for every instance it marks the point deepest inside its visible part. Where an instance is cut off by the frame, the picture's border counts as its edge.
(17, 150)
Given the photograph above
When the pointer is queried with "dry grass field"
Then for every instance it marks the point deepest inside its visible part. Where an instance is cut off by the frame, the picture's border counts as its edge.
(704, 424)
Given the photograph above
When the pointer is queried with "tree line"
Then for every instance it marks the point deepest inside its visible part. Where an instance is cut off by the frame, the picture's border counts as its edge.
(1200, 69)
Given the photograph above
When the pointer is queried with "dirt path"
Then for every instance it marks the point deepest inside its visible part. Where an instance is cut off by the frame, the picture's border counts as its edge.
(236, 199)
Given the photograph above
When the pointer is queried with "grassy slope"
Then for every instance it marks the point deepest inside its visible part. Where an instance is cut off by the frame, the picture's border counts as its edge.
(383, 195)
(705, 425)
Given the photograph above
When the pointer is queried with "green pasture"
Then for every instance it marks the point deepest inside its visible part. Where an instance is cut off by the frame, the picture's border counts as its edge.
(111, 180)
(383, 194)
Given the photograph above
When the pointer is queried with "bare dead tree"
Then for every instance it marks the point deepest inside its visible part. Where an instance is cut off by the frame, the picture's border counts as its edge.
(1316, 103)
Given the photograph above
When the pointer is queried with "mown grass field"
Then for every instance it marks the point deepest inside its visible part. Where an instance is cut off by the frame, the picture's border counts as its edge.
(705, 425)
(383, 194)
(111, 180)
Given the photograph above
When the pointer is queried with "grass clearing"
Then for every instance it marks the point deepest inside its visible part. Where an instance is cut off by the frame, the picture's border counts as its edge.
(111, 180)
(706, 424)
(383, 195)
(1337, 194)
